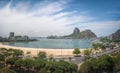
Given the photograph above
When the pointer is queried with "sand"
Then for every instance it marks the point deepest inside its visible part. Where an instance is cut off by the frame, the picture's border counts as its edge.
(35, 51)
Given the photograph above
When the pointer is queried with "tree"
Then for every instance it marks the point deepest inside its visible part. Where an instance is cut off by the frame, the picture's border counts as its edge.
(51, 66)
(17, 53)
(95, 46)
(117, 63)
(85, 67)
(28, 53)
(76, 51)
(28, 64)
(105, 64)
(6, 70)
(87, 54)
(5, 52)
(19, 64)
(39, 64)
(42, 70)
(10, 51)
(72, 67)
(102, 64)
(42, 55)
(11, 61)
(102, 46)
(50, 57)
(2, 57)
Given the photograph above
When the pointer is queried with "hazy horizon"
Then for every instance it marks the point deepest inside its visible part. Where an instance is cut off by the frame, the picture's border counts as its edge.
(43, 18)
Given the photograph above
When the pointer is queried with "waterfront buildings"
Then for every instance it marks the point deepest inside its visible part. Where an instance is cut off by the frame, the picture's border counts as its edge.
(12, 37)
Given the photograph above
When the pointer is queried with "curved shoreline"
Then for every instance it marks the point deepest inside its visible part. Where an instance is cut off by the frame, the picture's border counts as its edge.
(49, 51)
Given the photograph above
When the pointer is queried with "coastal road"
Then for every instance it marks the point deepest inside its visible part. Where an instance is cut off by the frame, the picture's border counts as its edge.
(78, 60)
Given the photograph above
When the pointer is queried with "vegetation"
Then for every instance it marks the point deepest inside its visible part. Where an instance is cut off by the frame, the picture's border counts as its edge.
(15, 64)
(41, 55)
(110, 41)
(87, 54)
(17, 53)
(102, 64)
(13, 61)
(5, 70)
(76, 51)
(98, 45)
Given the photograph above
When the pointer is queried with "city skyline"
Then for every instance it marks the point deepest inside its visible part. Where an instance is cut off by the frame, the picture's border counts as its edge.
(58, 17)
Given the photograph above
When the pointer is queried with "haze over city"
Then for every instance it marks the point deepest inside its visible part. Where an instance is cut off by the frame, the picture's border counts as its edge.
(58, 17)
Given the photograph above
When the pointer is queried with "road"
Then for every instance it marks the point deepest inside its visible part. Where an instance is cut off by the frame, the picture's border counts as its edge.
(78, 60)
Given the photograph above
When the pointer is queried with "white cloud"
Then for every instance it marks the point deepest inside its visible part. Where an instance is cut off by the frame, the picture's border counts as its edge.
(42, 20)
(49, 18)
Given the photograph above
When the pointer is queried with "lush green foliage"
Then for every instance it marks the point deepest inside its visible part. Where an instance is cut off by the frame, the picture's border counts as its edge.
(76, 51)
(4, 70)
(17, 53)
(41, 55)
(12, 63)
(101, 64)
(87, 54)
(98, 45)
(110, 41)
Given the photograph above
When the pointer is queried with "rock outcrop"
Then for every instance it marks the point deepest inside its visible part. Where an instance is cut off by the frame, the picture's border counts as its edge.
(115, 36)
(84, 34)
(76, 31)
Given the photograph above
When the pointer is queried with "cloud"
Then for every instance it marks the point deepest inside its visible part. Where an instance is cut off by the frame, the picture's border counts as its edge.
(49, 18)
(41, 19)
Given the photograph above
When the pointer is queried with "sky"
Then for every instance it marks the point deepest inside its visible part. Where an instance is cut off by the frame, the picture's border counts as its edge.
(37, 18)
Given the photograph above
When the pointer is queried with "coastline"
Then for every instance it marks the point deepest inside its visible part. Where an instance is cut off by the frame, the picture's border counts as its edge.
(49, 51)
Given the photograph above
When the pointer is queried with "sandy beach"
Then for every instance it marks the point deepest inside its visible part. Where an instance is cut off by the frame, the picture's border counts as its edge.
(35, 51)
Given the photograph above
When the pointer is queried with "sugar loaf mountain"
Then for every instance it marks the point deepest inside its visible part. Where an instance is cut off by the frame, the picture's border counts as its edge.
(77, 34)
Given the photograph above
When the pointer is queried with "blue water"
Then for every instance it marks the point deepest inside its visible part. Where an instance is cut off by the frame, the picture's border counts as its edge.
(54, 43)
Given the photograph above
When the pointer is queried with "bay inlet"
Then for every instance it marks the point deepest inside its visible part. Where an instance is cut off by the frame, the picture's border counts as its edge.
(54, 43)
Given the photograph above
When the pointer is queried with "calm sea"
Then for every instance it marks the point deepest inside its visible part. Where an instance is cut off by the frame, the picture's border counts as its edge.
(54, 43)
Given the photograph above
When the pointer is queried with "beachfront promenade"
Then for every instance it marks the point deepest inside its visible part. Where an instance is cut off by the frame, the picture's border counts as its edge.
(79, 60)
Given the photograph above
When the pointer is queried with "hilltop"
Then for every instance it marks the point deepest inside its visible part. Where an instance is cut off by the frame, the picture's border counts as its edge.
(77, 34)
(81, 34)
(115, 36)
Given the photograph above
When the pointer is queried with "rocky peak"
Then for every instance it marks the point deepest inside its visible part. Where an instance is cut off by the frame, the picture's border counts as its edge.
(115, 35)
(84, 34)
(88, 34)
(76, 31)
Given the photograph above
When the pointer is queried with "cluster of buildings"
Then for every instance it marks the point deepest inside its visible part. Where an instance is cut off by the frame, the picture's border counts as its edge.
(12, 37)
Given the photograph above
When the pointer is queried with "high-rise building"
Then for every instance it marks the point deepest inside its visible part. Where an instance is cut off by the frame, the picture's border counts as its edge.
(11, 34)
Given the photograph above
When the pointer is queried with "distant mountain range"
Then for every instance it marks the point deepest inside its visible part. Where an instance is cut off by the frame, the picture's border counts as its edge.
(115, 36)
(86, 34)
